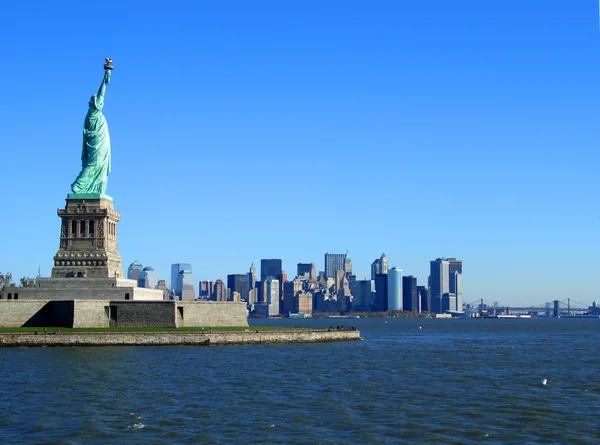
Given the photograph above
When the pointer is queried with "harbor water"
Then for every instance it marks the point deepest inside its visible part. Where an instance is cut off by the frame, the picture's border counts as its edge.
(515, 381)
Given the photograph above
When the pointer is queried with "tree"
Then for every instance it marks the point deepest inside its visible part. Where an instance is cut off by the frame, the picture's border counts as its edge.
(5, 280)
(27, 282)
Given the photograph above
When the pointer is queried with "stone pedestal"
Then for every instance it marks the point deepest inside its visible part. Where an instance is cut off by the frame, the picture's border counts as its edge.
(88, 239)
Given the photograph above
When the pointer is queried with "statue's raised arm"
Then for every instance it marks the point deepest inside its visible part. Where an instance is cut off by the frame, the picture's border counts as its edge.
(105, 82)
(95, 153)
(107, 71)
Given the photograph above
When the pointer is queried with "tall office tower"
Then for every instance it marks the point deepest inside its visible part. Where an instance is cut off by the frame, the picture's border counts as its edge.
(344, 295)
(348, 265)
(260, 293)
(148, 278)
(175, 269)
(252, 277)
(185, 286)
(410, 294)
(162, 285)
(454, 265)
(379, 266)
(238, 283)
(299, 285)
(272, 294)
(395, 282)
(333, 262)
(270, 268)
(383, 264)
(339, 276)
(344, 287)
(423, 300)
(134, 270)
(362, 291)
(253, 294)
(309, 269)
(305, 303)
(375, 269)
(282, 279)
(381, 293)
(456, 289)
(448, 302)
(206, 289)
(219, 291)
(290, 303)
(439, 283)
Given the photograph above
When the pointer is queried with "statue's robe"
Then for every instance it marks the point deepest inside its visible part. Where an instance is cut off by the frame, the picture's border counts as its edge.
(95, 154)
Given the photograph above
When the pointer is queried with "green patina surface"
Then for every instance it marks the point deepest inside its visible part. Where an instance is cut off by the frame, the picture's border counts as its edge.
(95, 152)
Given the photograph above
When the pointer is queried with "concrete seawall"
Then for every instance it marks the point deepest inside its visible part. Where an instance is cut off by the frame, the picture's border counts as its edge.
(30, 339)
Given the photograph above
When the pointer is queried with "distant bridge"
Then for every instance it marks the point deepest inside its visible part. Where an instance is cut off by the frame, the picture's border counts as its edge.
(555, 307)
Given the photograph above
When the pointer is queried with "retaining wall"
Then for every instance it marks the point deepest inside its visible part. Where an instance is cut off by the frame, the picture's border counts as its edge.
(23, 313)
(171, 338)
(128, 314)
(211, 313)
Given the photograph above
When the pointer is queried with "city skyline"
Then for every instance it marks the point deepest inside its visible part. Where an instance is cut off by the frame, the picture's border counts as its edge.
(418, 129)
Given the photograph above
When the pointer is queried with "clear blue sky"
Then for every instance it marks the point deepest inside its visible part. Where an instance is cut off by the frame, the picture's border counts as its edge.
(244, 130)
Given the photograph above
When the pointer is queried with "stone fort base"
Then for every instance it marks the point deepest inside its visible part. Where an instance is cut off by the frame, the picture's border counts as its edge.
(121, 314)
(83, 289)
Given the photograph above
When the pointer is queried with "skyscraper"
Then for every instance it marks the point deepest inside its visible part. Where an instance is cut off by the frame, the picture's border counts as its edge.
(220, 291)
(162, 285)
(272, 293)
(375, 269)
(185, 286)
(410, 294)
(290, 300)
(362, 291)
(348, 266)
(423, 298)
(309, 269)
(379, 266)
(238, 283)
(205, 289)
(148, 278)
(333, 262)
(439, 283)
(454, 265)
(175, 269)
(282, 279)
(270, 268)
(134, 270)
(305, 303)
(252, 277)
(381, 293)
(383, 264)
(394, 289)
(456, 289)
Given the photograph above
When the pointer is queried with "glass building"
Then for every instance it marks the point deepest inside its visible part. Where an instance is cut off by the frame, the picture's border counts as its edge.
(134, 270)
(185, 286)
(333, 262)
(394, 289)
(270, 268)
(148, 278)
(175, 269)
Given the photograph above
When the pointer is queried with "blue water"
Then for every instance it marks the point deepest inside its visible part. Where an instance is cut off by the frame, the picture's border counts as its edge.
(409, 381)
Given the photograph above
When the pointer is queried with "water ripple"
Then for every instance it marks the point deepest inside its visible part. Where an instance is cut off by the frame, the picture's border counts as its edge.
(451, 382)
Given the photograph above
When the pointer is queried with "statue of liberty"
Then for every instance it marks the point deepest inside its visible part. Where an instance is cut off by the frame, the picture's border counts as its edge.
(95, 154)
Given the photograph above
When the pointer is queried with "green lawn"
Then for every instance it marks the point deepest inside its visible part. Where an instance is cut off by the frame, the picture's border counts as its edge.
(206, 329)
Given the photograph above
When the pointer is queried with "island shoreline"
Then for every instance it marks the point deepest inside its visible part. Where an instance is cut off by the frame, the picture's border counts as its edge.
(33, 339)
